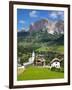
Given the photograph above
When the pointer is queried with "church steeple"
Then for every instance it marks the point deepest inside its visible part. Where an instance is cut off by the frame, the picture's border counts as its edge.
(33, 54)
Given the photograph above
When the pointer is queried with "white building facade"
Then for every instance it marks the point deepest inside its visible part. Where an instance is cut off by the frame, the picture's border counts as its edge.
(55, 63)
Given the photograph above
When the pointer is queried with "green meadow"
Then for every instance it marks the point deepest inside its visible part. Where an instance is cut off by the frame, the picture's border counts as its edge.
(37, 73)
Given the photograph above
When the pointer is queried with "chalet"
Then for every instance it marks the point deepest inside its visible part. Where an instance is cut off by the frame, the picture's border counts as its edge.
(39, 60)
(55, 63)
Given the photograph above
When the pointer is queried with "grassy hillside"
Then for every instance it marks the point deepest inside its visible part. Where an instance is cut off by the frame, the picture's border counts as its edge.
(51, 45)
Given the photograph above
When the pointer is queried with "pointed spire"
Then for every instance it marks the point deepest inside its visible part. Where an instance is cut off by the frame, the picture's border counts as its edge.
(33, 54)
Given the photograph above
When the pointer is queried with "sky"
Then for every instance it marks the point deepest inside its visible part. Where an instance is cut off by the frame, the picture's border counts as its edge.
(25, 17)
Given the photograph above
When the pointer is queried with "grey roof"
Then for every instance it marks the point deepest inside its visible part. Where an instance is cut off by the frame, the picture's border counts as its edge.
(40, 59)
(55, 59)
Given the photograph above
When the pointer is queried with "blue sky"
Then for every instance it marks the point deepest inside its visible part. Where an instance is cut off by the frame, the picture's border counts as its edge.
(25, 17)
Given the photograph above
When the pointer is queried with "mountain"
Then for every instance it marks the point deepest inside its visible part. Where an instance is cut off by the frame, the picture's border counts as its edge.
(38, 25)
(45, 24)
(56, 27)
(44, 31)
(59, 40)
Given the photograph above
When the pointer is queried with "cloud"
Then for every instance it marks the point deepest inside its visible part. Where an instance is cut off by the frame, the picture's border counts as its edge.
(22, 22)
(60, 13)
(57, 14)
(33, 14)
(53, 15)
(22, 28)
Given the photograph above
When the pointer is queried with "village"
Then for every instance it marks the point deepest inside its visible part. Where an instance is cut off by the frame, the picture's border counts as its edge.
(39, 61)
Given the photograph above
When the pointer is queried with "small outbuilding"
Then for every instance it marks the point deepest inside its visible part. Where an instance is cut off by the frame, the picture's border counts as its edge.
(55, 63)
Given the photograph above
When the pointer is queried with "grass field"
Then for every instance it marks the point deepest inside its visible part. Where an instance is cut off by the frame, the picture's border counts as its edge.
(59, 48)
(37, 73)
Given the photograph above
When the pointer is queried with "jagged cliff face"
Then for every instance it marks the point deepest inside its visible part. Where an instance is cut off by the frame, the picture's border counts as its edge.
(39, 25)
(47, 25)
(50, 26)
(57, 26)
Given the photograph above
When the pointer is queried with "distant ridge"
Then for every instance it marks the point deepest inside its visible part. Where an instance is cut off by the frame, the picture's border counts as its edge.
(22, 33)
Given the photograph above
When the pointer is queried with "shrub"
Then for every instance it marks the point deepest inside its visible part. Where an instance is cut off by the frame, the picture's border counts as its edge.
(53, 68)
(57, 69)
(48, 68)
(62, 70)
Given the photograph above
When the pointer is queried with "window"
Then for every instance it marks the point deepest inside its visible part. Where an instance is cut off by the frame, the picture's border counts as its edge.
(56, 62)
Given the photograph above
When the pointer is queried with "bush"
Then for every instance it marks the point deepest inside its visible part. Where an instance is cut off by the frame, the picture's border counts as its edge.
(53, 68)
(62, 70)
(57, 69)
(48, 68)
